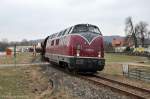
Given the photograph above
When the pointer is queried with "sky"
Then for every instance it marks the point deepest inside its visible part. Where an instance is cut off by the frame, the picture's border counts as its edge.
(36, 19)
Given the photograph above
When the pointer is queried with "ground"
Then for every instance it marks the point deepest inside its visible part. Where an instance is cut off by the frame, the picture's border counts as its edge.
(117, 60)
(26, 82)
(114, 63)
(34, 82)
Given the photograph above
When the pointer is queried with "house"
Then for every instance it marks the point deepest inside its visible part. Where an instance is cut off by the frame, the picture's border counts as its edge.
(118, 44)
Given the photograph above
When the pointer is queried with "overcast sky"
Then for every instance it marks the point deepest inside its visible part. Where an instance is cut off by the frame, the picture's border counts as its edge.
(35, 19)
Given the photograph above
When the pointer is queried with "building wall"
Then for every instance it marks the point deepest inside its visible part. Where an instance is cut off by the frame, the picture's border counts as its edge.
(120, 49)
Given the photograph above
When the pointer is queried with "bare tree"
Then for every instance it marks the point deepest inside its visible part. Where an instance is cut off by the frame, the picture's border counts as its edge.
(130, 31)
(3, 44)
(141, 31)
(108, 47)
(129, 26)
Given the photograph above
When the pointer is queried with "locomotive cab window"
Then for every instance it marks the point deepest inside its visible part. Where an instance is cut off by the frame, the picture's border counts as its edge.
(86, 28)
(57, 41)
(94, 29)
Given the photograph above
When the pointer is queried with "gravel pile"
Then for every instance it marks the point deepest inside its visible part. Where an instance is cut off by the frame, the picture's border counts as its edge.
(77, 88)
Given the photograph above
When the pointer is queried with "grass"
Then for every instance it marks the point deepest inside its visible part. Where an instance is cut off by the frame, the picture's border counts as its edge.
(111, 57)
(25, 57)
(112, 67)
(23, 83)
(27, 83)
(12, 83)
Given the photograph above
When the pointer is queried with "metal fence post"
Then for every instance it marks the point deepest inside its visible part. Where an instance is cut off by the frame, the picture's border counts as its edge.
(15, 54)
(125, 69)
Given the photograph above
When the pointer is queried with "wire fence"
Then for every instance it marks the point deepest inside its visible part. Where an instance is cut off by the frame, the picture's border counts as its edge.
(137, 72)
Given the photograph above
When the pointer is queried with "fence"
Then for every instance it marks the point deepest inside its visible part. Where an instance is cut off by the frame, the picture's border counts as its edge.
(137, 72)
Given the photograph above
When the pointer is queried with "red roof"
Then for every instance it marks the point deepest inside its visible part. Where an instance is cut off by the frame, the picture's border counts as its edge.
(118, 42)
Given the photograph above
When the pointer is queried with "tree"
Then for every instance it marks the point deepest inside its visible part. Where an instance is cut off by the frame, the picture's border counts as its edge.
(141, 31)
(138, 32)
(130, 31)
(3, 44)
(24, 42)
(129, 26)
(108, 47)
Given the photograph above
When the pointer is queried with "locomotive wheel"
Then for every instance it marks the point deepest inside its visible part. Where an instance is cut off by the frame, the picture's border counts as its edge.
(67, 68)
(101, 68)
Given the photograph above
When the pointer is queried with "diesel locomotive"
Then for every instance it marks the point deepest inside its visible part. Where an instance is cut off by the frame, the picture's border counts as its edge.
(78, 48)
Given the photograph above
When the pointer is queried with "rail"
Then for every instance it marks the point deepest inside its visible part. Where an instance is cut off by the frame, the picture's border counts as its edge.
(119, 86)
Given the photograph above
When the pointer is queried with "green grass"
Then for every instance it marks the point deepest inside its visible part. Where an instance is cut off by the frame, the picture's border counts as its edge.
(112, 57)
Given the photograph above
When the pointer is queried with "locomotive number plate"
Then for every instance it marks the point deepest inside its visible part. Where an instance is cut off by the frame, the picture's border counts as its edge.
(89, 50)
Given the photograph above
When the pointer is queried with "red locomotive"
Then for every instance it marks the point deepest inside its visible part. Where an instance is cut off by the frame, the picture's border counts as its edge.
(78, 48)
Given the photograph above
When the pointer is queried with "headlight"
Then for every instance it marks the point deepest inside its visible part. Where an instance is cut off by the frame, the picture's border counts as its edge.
(78, 48)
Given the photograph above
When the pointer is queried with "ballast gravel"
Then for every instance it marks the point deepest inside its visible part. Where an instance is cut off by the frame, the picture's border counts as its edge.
(77, 88)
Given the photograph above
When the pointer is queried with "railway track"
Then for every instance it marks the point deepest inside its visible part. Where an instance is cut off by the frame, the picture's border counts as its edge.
(137, 92)
(120, 87)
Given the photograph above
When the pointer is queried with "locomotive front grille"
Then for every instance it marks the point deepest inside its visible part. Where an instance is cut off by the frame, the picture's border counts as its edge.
(79, 61)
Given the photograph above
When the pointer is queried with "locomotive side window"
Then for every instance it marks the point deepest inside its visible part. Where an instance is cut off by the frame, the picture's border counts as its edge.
(60, 33)
(50, 37)
(68, 31)
(52, 42)
(64, 32)
(57, 41)
(54, 35)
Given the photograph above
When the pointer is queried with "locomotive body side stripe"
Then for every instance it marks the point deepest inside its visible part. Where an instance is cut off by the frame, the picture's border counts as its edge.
(78, 35)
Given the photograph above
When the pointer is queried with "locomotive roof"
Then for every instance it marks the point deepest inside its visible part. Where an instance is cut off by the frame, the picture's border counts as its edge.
(57, 34)
(85, 24)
